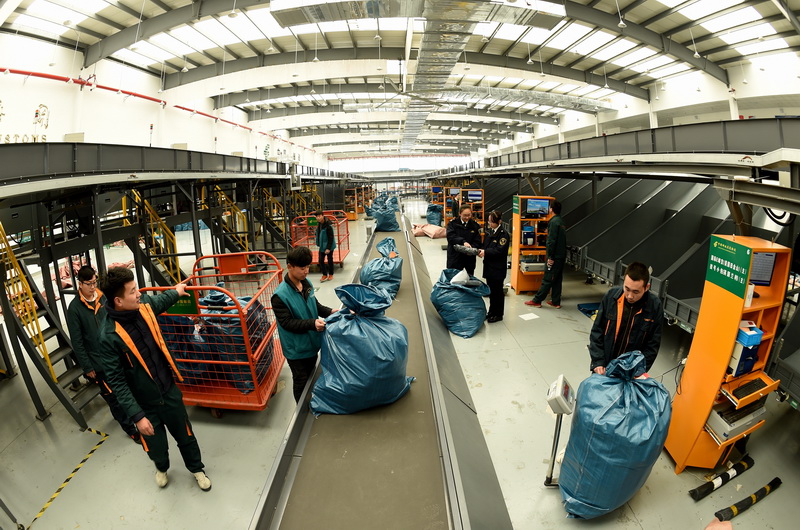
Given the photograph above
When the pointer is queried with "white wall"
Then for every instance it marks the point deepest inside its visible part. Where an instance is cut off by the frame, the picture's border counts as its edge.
(106, 117)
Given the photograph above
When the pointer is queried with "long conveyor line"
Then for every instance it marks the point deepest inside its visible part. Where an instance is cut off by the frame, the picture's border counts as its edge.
(421, 462)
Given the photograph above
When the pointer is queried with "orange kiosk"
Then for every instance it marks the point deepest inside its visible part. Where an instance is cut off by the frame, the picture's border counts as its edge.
(528, 241)
(710, 389)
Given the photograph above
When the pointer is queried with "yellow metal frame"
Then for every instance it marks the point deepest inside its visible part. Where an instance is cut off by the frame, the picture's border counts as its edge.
(19, 294)
(160, 238)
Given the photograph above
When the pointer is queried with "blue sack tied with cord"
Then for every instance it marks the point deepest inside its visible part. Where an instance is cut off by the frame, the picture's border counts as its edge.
(460, 306)
(363, 355)
(618, 430)
(385, 220)
(386, 272)
(434, 214)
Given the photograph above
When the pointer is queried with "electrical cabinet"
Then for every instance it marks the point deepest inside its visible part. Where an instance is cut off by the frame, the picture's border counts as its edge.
(713, 408)
(530, 217)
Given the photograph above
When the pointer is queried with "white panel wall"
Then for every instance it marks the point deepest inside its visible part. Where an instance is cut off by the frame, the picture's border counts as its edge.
(106, 117)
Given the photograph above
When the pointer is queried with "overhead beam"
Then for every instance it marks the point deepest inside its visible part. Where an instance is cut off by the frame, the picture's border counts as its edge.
(788, 14)
(639, 33)
(206, 72)
(159, 24)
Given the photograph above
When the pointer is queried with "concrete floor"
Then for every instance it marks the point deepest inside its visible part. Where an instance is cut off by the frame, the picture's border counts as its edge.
(508, 365)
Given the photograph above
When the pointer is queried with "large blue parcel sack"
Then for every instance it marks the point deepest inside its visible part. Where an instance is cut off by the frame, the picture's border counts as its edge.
(386, 272)
(618, 430)
(434, 214)
(460, 306)
(385, 220)
(363, 355)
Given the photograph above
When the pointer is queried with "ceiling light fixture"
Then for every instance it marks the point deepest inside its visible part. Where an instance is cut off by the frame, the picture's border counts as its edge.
(316, 46)
(185, 68)
(605, 77)
(744, 79)
(541, 64)
(622, 24)
(696, 55)
(484, 39)
(233, 13)
(377, 37)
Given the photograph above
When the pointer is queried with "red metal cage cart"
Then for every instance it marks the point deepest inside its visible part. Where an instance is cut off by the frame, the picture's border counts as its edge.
(304, 234)
(224, 336)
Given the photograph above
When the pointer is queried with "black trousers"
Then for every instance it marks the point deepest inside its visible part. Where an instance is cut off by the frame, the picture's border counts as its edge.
(496, 297)
(323, 269)
(171, 416)
(302, 370)
(552, 280)
(113, 405)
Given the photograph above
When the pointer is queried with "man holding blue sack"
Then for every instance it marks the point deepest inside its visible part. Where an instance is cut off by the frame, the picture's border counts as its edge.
(300, 319)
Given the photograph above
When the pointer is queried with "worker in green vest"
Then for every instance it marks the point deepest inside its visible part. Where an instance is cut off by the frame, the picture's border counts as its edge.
(300, 318)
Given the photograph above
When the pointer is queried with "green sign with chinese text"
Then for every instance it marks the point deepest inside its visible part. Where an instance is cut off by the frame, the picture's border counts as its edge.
(728, 265)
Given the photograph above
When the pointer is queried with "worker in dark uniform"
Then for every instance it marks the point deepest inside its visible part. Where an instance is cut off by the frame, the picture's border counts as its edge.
(142, 372)
(629, 319)
(556, 255)
(464, 231)
(326, 241)
(85, 317)
(495, 265)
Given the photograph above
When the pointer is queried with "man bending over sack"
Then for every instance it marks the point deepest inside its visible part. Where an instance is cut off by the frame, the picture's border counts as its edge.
(629, 319)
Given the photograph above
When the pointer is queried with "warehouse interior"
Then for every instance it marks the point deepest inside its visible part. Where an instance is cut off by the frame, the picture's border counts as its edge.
(158, 133)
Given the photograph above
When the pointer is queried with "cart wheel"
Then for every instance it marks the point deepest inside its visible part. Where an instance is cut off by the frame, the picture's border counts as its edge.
(341, 265)
(217, 413)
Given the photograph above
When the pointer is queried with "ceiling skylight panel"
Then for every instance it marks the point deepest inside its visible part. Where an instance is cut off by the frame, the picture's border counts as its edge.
(633, 57)
(537, 36)
(193, 38)
(332, 26)
(493, 78)
(612, 51)
(43, 25)
(486, 29)
(167, 42)
(704, 8)
(242, 28)
(567, 38)
(762, 30)
(87, 6)
(737, 18)
(216, 32)
(582, 91)
(548, 85)
(267, 23)
(393, 24)
(363, 24)
(652, 64)
(154, 52)
(670, 70)
(510, 32)
(133, 58)
(671, 3)
(53, 12)
(603, 92)
(593, 42)
(566, 87)
(758, 47)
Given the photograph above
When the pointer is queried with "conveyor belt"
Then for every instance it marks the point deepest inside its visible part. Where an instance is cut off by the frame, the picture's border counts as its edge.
(394, 466)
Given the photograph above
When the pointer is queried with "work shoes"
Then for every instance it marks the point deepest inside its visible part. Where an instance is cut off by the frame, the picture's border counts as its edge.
(551, 304)
(203, 481)
(494, 318)
(161, 478)
(323, 279)
(533, 304)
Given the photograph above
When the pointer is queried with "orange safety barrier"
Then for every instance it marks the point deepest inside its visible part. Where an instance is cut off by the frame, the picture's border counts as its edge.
(224, 337)
(305, 235)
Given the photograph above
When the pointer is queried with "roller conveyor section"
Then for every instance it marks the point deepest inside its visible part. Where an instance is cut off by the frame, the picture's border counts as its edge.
(590, 226)
(421, 462)
(603, 252)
